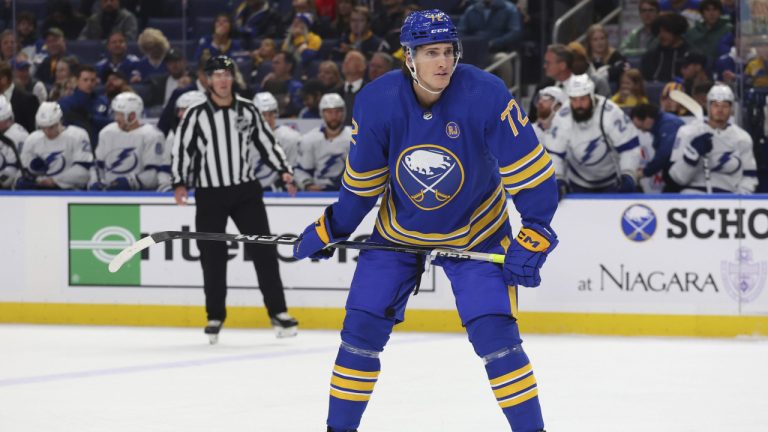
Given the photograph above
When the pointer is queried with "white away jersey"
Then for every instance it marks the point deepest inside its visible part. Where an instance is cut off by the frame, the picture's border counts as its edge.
(140, 156)
(732, 163)
(66, 159)
(289, 139)
(581, 153)
(321, 161)
(11, 143)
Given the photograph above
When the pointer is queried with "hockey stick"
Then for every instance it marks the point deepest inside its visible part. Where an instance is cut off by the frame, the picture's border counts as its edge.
(159, 237)
(691, 105)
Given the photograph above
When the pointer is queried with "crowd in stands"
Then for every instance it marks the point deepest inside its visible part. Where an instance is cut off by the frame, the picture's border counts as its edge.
(84, 54)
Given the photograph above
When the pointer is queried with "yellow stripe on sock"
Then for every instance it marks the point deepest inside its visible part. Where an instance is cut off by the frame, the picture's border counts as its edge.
(352, 385)
(520, 398)
(355, 373)
(356, 397)
(512, 375)
(513, 300)
(515, 387)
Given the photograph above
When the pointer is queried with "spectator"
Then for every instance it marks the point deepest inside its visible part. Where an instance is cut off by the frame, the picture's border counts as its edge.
(261, 59)
(117, 58)
(700, 91)
(62, 15)
(26, 31)
(12, 136)
(311, 93)
(340, 25)
(55, 156)
(66, 82)
(661, 63)
(323, 152)
(631, 90)
(604, 59)
(642, 38)
(154, 45)
(256, 19)
(283, 86)
(300, 42)
(549, 102)
(168, 119)
(110, 18)
(24, 104)
(498, 21)
(329, 75)
(663, 127)
(380, 64)
(55, 49)
(325, 9)
(353, 70)
(558, 64)
(220, 42)
(688, 9)
(388, 20)
(581, 65)
(162, 86)
(148, 168)
(756, 70)
(25, 81)
(360, 37)
(730, 11)
(8, 47)
(84, 108)
(667, 104)
(693, 71)
(288, 138)
(115, 84)
(706, 34)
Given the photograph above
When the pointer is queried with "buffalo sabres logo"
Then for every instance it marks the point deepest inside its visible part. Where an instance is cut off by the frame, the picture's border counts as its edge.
(638, 222)
(430, 175)
(122, 161)
(452, 130)
(744, 279)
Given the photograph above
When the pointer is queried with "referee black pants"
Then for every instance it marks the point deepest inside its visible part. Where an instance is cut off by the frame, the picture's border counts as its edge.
(245, 205)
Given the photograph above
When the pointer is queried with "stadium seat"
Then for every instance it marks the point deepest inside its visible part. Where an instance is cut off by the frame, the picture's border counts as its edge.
(203, 26)
(38, 7)
(172, 28)
(87, 51)
(206, 8)
(653, 90)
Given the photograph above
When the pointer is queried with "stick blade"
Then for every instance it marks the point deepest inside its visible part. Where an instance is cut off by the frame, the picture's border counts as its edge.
(128, 253)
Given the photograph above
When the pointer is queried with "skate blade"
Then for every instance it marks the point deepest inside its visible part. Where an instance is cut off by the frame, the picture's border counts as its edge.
(286, 332)
(213, 339)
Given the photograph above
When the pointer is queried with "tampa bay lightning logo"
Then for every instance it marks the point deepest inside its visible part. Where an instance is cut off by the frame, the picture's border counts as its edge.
(594, 153)
(638, 222)
(744, 278)
(55, 163)
(122, 161)
(430, 175)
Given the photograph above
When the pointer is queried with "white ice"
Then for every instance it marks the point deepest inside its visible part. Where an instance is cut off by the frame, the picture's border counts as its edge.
(114, 379)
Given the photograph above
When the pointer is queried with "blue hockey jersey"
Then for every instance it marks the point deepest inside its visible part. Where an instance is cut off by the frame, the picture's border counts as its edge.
(445, 171)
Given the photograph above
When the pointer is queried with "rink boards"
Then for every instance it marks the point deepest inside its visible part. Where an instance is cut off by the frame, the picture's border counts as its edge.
(637, 265)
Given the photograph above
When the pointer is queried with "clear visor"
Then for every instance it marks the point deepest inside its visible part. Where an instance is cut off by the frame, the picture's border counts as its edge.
(438, 52)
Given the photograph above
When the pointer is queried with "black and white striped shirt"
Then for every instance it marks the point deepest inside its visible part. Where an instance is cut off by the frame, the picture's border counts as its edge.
(213, 145)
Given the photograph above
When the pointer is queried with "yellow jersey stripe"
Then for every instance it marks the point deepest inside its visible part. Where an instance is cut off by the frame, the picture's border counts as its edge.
(352, 373)
(519, 398)
(368, 192)
(534, 182)
(509, 169)
(365, 174)
(515, 374)
(528, 172)
(355, 397)
(491, 230)
(517, 387)
(352, 385)
(378, 181)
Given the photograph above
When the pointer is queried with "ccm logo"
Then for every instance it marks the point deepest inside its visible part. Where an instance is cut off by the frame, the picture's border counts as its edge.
(527, 240)
(441, 30)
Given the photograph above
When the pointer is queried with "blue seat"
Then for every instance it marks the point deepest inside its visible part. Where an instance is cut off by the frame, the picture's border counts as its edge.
(38, 7)
(172, 28)
(204, 26)
(87, 51)
(206, 8)
(653, 90)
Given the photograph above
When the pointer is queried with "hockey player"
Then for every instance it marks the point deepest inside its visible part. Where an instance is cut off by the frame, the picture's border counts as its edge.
(288, 138)
(186, 100)
(595, 147)
(551, 99)
(12, 136)
(662, 127)
(131, 155)
(443, 143)
(714, 153)
(55, 156)
(324, 150)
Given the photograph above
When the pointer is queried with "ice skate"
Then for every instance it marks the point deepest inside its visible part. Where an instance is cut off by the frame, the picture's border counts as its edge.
(285, 325)
(212, 330)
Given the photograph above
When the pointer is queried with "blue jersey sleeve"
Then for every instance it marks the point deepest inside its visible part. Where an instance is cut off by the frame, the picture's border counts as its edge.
(525, 166)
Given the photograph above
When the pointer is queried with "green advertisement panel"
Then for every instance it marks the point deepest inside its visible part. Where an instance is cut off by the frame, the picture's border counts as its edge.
(98, 232)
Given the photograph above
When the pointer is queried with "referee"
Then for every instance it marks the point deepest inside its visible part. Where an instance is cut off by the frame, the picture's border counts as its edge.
(211, 152)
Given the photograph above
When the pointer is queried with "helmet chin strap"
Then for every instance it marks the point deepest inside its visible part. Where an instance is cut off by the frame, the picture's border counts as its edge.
(412, 69)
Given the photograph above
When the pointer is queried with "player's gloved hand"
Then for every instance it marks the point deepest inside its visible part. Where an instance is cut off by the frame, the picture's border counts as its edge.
(38, 165)
(97, 186)
(702, 144)
(120, 184)
(562, 189)
(627, 184)
(26, 182)
(313, 241)
(527, 254)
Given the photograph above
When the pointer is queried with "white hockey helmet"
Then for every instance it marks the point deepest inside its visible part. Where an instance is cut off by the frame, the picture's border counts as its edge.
(6, 110)
(720, 93)
(331, 100)
(265, 102)
(49, 114)
(128, 102)
(190, 98)
(579, 85)
(555, 93)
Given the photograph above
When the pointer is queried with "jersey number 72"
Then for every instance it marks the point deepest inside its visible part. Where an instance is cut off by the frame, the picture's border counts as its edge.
(507, 115)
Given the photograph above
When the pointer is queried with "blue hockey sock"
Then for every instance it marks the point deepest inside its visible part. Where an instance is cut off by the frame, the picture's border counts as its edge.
(357, 368)
(496, 340)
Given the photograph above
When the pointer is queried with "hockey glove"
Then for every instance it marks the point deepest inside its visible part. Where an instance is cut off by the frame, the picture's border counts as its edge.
(97, 186)
(627, 184)
(38, 166)
(314, 240)
(527, 254)
(702, 144)
(120, 184)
